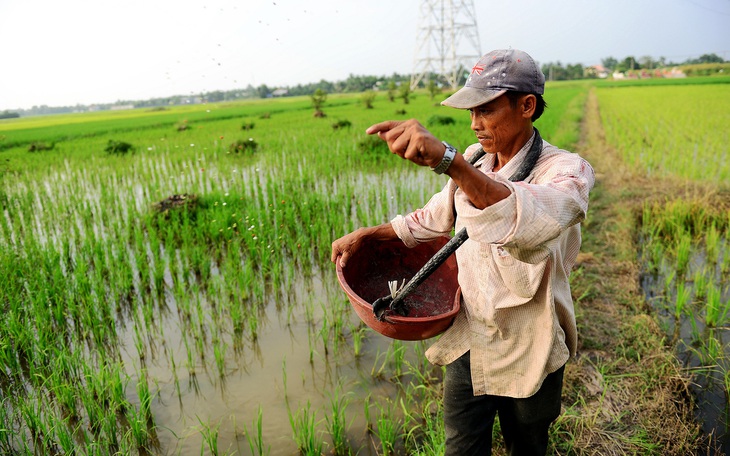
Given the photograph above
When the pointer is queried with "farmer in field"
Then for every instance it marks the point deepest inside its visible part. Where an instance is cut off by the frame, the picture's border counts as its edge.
(506, 350)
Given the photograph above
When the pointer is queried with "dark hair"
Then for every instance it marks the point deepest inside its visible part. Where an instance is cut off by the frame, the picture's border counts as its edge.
(540, 104)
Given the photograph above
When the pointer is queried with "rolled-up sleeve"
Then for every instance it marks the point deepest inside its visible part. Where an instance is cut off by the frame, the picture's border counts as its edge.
(532, 215)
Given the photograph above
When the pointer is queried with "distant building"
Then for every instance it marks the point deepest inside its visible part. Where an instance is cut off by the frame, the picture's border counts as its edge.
(674, 73)
(279, 92)
(596, 71)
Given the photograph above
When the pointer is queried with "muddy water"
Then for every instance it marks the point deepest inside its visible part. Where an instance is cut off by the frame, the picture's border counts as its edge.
(286, 364)
(708, 385)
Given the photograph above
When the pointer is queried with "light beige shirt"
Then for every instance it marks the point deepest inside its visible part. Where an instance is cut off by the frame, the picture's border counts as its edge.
(517, 315)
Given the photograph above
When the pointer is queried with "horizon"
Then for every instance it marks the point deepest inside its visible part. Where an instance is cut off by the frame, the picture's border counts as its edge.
(272, 88)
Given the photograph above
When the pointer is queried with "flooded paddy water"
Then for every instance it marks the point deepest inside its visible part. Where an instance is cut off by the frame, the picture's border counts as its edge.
(686, 279)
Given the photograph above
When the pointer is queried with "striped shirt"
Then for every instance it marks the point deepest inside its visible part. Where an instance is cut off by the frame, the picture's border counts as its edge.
(517, 317)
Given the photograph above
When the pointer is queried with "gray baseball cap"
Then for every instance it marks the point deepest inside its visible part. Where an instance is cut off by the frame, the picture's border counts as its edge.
(496, 73)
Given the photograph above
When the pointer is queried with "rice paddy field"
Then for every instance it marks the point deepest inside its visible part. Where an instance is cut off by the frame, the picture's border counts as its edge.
(179, 299)
(678, 132)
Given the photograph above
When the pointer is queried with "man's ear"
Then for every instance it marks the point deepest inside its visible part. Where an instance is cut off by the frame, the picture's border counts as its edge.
(529, 104)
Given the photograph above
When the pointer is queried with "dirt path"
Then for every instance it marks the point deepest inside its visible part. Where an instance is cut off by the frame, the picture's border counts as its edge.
(625, 393)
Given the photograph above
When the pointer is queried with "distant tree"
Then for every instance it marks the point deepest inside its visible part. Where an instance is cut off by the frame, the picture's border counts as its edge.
(325, 86)
(433, 88)
(391, 90)
(215, 96)
(318, 98)
(709, 58)
(9, 115)
(359, 83)
(405, 92)
(554, 71)
(628, 64)
(648, 62)
(574, 71)
(367, 98)
(610, 63)
(263, 91)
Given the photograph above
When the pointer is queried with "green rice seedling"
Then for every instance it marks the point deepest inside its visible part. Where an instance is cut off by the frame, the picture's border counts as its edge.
(696, 333)
(219, 353)
(669, 281)
(253, 324)
(323, 333)
(716, 312)
(725, 263)
(6, 427)
(377, 372)
(31, 410)
(139, 343)
(337, 425)
(702, 281)
(681, 299)
(388, 428)
(358, 336)
(209, 445)
(712, 243)
(175, 377)
(396, 354)
(709, 352)
(63, 436)
(682, 253)
(256, 438)
(428, 438)
(145, 397)
(304, 425)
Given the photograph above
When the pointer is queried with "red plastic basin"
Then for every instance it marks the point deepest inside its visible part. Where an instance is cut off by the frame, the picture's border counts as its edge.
(432, 306)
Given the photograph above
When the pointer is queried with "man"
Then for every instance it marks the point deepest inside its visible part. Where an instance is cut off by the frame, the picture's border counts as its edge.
(506, 350)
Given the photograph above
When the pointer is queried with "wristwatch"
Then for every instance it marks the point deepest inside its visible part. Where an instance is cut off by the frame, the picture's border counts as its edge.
(446, 161)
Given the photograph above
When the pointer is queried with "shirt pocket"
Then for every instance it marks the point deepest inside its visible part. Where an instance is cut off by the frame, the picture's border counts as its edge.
(522, 280)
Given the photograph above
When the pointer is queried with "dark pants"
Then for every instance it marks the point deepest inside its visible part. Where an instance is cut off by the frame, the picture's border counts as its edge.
(469, 419)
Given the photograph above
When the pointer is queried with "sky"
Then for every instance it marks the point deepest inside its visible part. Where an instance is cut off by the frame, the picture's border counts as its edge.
(69, 52)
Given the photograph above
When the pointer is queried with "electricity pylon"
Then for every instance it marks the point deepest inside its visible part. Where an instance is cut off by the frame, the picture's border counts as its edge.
(447, 43)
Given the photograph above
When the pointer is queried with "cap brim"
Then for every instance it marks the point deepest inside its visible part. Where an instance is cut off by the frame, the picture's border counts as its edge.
(470, 97)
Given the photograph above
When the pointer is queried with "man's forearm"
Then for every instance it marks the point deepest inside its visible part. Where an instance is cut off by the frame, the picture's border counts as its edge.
(479, 188)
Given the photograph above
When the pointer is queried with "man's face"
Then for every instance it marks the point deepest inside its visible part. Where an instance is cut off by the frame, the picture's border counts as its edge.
(498, 125)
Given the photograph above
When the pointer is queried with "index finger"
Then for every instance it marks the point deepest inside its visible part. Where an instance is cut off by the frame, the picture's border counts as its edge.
(383, 126)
